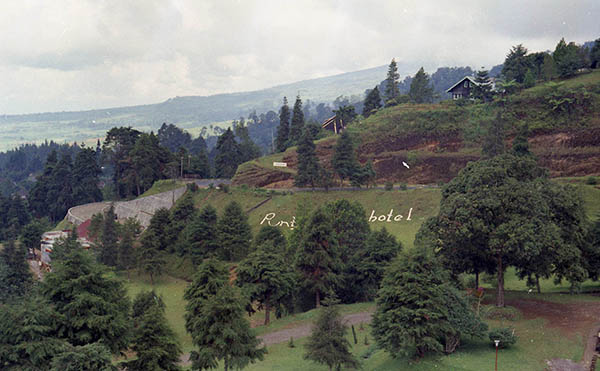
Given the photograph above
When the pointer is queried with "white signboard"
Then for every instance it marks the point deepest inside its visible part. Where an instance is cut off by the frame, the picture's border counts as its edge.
(280, 164)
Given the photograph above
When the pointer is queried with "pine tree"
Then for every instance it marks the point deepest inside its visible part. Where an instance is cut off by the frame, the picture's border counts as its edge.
(391, 82)
(483, 88)
(228, 155)
(548, 71)
(595, 54)
(421, 90)
(327, 343)
(234, 234)
(28, 335)
(317, 257)
(94, 356)
(86, 172)
(266, 278)
(308, 164)
(109, 248)
(181, 216)
(411, 315)
(344, 160)
(249, 150)
(129, 233)
(148, 162)
(59, 196)
(201, 235)
(516, 64)
(566, 58)
(38, 194)
(283, 130)
(297, 125)
(271, 236)
(160, 227)
(529, 80)
(153, 340)
(150, 258)
(15, 278)
(372, 102)
(215, 320)
(92, 306)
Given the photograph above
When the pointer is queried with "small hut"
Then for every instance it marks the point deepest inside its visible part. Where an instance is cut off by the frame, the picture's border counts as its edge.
(335, 124)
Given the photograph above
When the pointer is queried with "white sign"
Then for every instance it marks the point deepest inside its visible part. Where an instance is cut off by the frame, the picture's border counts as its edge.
(388, 217)
(280, 164)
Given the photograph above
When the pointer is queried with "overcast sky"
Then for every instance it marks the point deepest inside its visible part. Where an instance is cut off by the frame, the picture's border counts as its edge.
(75, 55)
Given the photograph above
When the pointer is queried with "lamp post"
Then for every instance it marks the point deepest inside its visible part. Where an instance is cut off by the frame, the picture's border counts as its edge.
(497, 342)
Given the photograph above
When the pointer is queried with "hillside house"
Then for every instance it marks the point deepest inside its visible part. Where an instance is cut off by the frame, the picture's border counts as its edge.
(463, 88)
(334, 124)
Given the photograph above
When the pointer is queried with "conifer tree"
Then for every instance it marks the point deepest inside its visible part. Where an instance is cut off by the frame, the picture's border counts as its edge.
(201, 234)
(38, 194)
(265, 277)
(59, 196)
(15, 277)
(548, 71)
(516, 64)
(129, 233)
(421, 90)
(86, 172)
(153, 340)
(148, 162)
(181, 216)
(228, 155)
(372, 102)
(566, 58)
(151, 259)
(308, 164)
(327, 343)
(297, 124)
(411, 316)
(483, 88)
(234, 234)
(344, 160)
(94, 356)
(249, 150)
(215, 320)
(271, 236)
(283, 130)
(28, 335)
(317, 257)
(391, 82)
(109, 249)
(159, 226)
(595, 54)
(92, 306)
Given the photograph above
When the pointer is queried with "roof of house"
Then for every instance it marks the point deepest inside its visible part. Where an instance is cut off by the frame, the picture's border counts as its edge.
(470, 78)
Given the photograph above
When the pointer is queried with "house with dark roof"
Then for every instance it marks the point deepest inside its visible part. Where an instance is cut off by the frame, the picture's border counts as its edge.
(463, 88)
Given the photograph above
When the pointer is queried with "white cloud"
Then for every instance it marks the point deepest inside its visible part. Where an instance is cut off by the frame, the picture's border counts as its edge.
(76, 54)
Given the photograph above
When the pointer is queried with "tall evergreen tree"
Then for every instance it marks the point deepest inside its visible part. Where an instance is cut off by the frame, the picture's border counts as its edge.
(249, 150)
(372, 102)
(391, 82)
(483, 89)
(130, 231)
(327, 343)
(271, 236)
(421, 90)
(94, 356)
(59, 197)
(317, 258)
(266, 278)
(115, 150)
(92, 306)
(181, 216)
(215, 320)
(109, 248)
(595, 54)
(297, 124)
(234, 234)
(283, 130)
(150, 258)
(344, 160)
(548, 69)
(15, 277)
(516, 64)
(153, 340)
(86, 172)
(148, 162)
(38, 194)
(202, 234)
(566, 58)
(308, 164)
(228, 155)
(160, 227)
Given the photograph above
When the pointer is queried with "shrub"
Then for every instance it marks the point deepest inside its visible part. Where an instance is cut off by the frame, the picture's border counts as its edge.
(403, 187)
(223, 187)
(389, 185)
(192, 187)
(506, 336)
(591, 180)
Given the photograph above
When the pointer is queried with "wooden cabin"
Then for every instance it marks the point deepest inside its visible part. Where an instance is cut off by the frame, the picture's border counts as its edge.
(463, 88)
(334, 124)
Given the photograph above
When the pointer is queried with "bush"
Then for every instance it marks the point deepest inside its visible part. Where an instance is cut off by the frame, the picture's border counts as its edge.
(591, 180)
(192, 187)
(506, 313)
(403, 187)
(506, 336)
(223, 187)
(389, 186)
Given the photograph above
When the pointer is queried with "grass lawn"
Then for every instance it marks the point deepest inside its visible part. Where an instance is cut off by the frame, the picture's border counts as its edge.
(164, 185)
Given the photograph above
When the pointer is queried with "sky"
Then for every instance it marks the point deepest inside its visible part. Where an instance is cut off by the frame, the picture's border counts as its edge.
(66, 55)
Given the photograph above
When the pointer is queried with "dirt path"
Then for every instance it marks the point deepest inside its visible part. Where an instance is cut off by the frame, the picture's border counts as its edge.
(572, 319)
(284, 335)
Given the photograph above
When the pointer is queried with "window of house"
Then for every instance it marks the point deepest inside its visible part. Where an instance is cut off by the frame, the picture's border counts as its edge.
(466, 85)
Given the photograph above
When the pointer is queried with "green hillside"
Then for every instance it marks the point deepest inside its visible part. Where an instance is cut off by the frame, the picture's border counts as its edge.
(437, 140)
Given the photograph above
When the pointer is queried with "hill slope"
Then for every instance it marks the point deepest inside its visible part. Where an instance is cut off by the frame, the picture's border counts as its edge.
(437, 140)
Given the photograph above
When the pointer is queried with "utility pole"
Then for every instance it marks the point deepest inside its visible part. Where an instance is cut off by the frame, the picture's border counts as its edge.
(272, 143)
